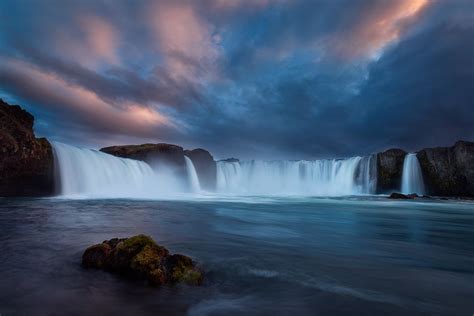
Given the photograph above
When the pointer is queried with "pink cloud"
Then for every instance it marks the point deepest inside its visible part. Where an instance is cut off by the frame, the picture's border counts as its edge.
(93, 41)
(185, 39)
(82, 106)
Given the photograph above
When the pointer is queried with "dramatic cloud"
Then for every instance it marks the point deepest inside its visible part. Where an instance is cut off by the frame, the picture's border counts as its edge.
(256, 78)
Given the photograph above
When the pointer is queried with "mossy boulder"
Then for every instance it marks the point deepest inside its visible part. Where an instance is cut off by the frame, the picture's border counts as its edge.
(139, 257)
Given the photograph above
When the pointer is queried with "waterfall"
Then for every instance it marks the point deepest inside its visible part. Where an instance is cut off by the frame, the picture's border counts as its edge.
(318, 177)
(412, 178)
(192, 175)
(91, 173)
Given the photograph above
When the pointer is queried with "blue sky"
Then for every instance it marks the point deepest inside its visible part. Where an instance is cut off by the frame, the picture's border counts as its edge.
(246, 78)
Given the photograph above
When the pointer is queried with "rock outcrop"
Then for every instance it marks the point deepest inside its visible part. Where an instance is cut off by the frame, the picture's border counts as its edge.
(389, 170)
(26, 162)
(139, 257)
(448, 171)
(156, 155)
(206, 168)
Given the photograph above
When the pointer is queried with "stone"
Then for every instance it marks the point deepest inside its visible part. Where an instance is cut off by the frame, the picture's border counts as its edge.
(140, 257)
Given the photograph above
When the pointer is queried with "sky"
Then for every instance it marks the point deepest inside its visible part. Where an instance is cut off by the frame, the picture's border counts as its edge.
(270, 79)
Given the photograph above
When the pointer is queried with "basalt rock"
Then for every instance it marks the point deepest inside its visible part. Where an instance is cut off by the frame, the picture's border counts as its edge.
(389, 170)
(205, 167)
(139, 257)
(400, 196)
(448, 171)
(26, 162)
(156, 155)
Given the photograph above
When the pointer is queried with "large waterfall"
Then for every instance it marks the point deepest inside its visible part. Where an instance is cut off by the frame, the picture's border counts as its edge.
(412, 178)
(90, 173)
(335, 177)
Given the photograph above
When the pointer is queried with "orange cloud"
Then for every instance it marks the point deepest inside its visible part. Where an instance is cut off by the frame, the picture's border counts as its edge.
(379, 27)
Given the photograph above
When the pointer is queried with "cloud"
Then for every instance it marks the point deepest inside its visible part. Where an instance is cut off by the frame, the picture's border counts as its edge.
(79, 105)
(262, 78)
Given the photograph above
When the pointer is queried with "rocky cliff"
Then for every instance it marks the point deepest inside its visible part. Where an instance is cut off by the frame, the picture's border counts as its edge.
(389, 170)
(26, 162)
(448, 171)
(205, 167)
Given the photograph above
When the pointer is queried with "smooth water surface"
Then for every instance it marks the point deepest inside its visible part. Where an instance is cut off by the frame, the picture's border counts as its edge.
(264, 256)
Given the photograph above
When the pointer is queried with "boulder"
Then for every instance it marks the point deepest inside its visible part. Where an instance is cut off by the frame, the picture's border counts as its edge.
(448, 171)
(389, 170)
(26, 162)
(139, 257)
(156, 155)
(206, 168)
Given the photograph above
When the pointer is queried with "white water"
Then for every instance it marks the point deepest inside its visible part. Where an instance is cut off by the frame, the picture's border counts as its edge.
(351, 176)
(87, 173)
(91, 173)
(192, 175)
(412, 178)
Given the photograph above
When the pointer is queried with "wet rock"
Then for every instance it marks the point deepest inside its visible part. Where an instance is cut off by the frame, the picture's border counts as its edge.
(448, 171)
(26, 162)
(230, 160)
(205, 167)
(400, 196)
(389, 170)
(139, 257)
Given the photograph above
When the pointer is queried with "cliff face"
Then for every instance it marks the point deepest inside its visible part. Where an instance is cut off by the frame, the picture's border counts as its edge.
(205, 167)
(449, 171)
(389, 170)
(156, 155)
(26, 162)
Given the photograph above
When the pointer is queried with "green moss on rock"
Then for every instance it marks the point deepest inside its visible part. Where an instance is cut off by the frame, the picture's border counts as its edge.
(140, 257)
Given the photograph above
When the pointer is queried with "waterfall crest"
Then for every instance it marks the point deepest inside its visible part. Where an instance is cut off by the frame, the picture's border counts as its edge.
(91, 173)
(334, 177)
(412, 178)
(192, 175)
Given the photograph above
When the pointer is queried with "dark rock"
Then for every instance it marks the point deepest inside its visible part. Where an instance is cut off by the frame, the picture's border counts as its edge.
(400, 196)
(230, 160)
(389, 170)
(205, 167)
(26, 162)
(156, 155)
(139, 257)
(448, 171)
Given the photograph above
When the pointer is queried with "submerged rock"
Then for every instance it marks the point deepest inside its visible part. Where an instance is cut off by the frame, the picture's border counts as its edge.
(139, 257)
(401, 196)
(26, 162)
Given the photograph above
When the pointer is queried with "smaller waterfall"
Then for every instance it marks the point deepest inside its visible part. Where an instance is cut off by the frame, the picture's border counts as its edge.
(412, 178)
(192, 175)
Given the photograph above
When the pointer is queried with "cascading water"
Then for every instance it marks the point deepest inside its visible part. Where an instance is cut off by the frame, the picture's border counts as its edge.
(319, 177)
(91, 173)
(192, 175)
(412, 178)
